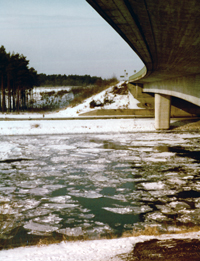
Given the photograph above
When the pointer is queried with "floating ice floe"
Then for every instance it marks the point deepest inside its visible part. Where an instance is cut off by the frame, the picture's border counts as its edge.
(192, 216)
(86, 194)
(156, 216)
(72, 232)
(178, 205)
(60, 199)
(39, 229)
(154, 185)
(129, 210)
(166, 210)
(58, 206)
(51, 219)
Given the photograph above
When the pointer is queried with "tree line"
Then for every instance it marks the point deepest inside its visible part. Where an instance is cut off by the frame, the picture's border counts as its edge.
(67, 80)
(16, 80)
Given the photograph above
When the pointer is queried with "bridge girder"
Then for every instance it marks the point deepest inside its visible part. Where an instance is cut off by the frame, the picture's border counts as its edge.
(166, 36)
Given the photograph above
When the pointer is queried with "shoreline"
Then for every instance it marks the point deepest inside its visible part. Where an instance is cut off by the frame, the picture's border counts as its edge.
(103, 249)
(49, 126)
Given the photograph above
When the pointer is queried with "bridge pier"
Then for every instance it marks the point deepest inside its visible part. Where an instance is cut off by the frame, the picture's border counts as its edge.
(162, 111)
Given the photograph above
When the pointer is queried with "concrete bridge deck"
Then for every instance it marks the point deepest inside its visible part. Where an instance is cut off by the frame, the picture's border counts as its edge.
(166, 36)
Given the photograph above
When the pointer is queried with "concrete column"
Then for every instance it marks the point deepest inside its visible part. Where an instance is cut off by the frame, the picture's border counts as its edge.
(162, 111)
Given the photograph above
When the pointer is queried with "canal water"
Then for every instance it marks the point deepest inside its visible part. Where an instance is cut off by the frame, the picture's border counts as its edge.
(97, 185)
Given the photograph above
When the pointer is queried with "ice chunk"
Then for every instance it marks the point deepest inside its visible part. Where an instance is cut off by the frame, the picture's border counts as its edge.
(126, 210)
(39, 229)
(75, 232)
(4, 199)
(166, 210)
(60, 199)
(192, 216)
(157, 216)
(29, 204)
(39, 191)
(154, 185)
(59, 206)
(177, 181)
(86, 194)
(178, 205)
(51, 219)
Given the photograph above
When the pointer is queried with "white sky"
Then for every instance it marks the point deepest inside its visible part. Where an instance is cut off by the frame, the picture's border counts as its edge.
(64, 37)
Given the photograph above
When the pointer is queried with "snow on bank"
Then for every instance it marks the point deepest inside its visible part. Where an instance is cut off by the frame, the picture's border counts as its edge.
(119, 101)
(94, 250)
(37, 127)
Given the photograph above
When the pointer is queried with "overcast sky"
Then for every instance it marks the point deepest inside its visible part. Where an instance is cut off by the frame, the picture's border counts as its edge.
(64, 37)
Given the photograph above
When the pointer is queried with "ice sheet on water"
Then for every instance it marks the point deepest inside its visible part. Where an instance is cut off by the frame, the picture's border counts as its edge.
(197, 205)
(58, 206)
(38, 191)
(76, 157)
(8, 150)
(167, 210)
(4, 199)
(188, 177)
(178, 205)
(99, 178)
(177, 181)
(60, 199)
(101, 161)
(162, 193)
(192, 216)
(121, 210)
(50, 219)
(39, 211)
(53, 187)
(120, 197)
(86, 216)
(154, 159)
(197, 200)
(86, 194)
(61, 147)
(73, 232)
(39, 229)
(27, 184)
(91, 150)
(87, 144)
(28, 204)
(93, 167)
(157, 216)
(154, 185)
(6, 209)
(60, 159)
(130, 210)
(196, 186)
(7, 190)
(100, 230)
(142, 209)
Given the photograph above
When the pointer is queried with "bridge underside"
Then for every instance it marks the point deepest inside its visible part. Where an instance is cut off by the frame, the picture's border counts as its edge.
(166, 36)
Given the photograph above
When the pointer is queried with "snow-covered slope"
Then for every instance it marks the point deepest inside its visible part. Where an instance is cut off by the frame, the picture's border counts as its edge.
(115, 100)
